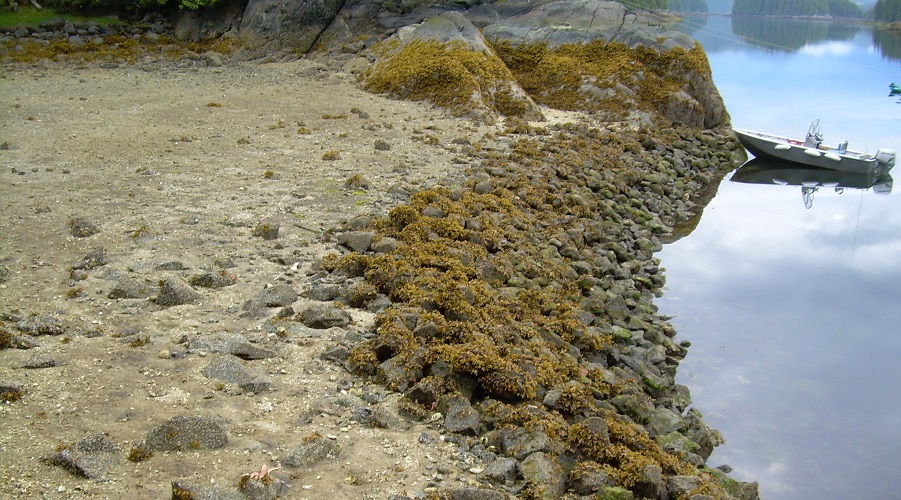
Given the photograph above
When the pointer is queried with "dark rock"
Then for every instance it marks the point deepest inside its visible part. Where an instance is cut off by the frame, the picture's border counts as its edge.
(358, 241)
(97, 442)
(744, 491)
(425, 392)
(276, 296)
(385, 244)
(224, 263)
(543, 476)
(4, 273)
(92, 457)
(89, 465)
(279, 295)
(323, 316)
(41, 324)
(663, 421)
(349, 401)
(399, 372)
(271, 26)
(590, 481)
(484, 187)
(698, 432)
(171, 265)
(266, 488)
(130, 288)
(11, 392)
(591, 435)
(359, 223)
(249, 351)
(233, 372)
(384, 418)
(650, 484)
(338, 353)
(223, 343)
(520, 442)
(323, 292)
(503, 470)
(94, 259)
(175, 292)
(186, 433)
(212, 280)
(461, 417)
(266, 230)
(679, 486)
(40, 360)
(614, 493)
(471, 493)
(675, 442)
(82, 228)
(182, 489)
(312, 449)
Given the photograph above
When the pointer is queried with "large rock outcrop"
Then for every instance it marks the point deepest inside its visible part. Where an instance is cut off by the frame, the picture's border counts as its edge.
(588, 55)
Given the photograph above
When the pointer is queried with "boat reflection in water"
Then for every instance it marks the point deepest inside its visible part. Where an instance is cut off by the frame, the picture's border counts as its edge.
(811, 179)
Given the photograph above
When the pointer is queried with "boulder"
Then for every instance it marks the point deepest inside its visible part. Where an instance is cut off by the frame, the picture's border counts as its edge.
(187, 433)
(277, 26)
(174, 292)
(313, 448)
(446, 61)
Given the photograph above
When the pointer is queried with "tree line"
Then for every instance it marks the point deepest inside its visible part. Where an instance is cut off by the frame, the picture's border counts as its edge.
(887, 11)
(829, 8)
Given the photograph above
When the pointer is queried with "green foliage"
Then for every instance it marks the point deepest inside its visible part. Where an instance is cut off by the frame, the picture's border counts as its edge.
(687, 6)
(29, 16)
(75, 10)
(833, 8)
(887, 11)
(844, 8)
(645, 4)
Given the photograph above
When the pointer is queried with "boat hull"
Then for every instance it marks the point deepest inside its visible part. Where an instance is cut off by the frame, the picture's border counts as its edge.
(781, 148)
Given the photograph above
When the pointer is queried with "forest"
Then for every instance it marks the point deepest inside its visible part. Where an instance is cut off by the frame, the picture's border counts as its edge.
(826, 8)
(695, 6)
(887, 11)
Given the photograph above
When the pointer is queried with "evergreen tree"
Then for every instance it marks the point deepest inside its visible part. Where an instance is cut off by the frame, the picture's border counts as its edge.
(887, 11)
(834, 8)
(687, 5)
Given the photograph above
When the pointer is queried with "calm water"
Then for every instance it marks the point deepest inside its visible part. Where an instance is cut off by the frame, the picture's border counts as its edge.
(795, 313)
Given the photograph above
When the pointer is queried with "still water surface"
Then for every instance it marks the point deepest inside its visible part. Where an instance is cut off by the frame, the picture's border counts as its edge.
(795, 313)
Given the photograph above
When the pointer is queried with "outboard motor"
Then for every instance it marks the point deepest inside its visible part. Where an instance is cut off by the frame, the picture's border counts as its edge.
(886, 157)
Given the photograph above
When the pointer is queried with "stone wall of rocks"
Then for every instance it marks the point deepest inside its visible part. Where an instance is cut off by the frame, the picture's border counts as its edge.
(519, 309)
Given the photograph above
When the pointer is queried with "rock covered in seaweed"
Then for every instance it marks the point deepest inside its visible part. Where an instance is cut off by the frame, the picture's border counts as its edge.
(447, 61)
(525, 310)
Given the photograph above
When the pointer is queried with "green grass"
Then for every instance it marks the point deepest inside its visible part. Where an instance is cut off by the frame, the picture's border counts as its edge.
(29, 16)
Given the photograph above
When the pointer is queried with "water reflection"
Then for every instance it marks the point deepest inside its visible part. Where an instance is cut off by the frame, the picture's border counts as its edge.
(889, 45)
(793, 313)
(787, 35)
(718, 33)
(774, 172)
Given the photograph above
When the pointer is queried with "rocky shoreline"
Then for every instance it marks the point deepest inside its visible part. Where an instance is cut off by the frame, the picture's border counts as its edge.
(519, 309)
(503, 318)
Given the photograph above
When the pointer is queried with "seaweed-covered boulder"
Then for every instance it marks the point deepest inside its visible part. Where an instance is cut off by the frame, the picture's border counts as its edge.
(446, 61)
(594, 54)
